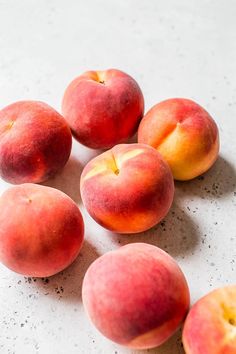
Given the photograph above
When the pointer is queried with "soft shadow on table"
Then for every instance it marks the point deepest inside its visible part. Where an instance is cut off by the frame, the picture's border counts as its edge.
(177, 234)
(218, 182)
(173, 345)
(68, 179)
(133, 139)
(67, 285)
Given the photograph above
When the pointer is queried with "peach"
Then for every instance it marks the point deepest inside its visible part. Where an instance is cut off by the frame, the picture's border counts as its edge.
(103, 108)
(136, 296)
(185, 135)
(127, 189)
(210, 327)
(35, 142)
(41, 230)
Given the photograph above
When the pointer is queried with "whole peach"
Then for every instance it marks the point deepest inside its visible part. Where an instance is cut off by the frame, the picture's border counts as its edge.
(136, 296)
(103, 108)
(41, 230)
(185, 135)
(127, 189)
(210, 327)
(35, 142)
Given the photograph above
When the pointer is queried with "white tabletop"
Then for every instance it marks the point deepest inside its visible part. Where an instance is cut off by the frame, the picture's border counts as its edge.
(172, 48)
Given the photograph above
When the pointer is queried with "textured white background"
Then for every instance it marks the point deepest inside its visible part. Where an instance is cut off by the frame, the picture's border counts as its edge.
(173, 49)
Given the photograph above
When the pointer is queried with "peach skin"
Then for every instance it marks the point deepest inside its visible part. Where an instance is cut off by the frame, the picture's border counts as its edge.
(136, 296)
(41, 230)
(210, 327)
(35, 142)
(184, 134)
(127, 189)
(103, 108)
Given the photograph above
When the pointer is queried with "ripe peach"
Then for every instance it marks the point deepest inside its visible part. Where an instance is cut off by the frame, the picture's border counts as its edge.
(103, 108)
(41, 230)
(185, 135)
(35, 142)
(136, 296)
(127, 189)
(210, 327)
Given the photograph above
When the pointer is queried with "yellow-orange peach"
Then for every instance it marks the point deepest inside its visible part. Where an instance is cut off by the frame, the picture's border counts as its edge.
(136, 296)
(185, 135)
(35, 142)
(210, 327)
(41, 230)
(127, 189)
(103, 108)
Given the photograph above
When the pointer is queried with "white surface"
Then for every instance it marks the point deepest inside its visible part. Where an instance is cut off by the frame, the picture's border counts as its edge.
(172, 48)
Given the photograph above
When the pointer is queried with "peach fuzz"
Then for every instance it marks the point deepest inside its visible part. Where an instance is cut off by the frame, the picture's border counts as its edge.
(127, 189)
(136, 296)
(41, 230)
(35, 142)
(103, 108)
(210, 327)
(185, 135)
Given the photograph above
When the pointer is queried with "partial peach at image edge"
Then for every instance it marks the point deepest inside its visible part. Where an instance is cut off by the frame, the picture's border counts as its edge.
(210, 326)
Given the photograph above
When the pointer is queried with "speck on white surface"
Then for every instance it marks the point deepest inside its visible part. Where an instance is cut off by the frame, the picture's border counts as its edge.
(173, 49)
